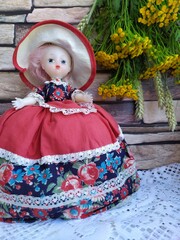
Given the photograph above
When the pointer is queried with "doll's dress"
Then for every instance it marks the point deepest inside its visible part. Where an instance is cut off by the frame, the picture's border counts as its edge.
(60, 159)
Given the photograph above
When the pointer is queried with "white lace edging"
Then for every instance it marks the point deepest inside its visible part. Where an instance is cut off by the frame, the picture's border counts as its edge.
(57, 82)
(71, 157)
(86, 108)
(95, 193)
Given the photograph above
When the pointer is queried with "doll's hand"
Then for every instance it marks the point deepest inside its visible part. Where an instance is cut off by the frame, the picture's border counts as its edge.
(86, 97)
(83, 97)
(18, 103)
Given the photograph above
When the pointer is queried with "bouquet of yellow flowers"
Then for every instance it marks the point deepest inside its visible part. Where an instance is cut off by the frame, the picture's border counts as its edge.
(136, 40)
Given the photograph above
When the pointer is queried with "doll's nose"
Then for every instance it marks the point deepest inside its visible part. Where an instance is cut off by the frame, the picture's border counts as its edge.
(57, 67)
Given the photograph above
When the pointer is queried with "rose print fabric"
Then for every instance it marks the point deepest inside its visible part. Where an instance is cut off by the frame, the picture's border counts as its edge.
(55, 92)
(56, 165)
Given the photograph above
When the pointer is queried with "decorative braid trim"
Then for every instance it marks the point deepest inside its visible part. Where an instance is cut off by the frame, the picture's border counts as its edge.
(49, 159)
(94, 193)
(86, 108)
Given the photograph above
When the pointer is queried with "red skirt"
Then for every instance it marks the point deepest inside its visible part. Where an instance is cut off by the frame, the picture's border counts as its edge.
(34, 132)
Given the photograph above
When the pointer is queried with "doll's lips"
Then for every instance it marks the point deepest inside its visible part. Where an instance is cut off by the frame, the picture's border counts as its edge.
(57, 67)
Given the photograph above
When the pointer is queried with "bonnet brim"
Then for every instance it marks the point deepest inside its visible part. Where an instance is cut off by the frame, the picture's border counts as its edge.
(66, 36)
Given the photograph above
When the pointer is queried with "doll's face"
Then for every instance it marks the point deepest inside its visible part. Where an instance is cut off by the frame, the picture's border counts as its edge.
(56, 62)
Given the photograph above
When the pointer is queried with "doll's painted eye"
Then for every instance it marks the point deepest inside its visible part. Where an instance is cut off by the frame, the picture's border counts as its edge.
(63, 61)
(50, 60)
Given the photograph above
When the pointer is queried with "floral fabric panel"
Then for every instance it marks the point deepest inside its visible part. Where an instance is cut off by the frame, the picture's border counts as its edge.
(66, 190)
(55, 92)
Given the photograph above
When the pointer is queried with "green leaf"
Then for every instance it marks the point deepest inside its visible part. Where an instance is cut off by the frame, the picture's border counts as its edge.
(177, 35)
(50, 186)
(100, 3)
(2, 160)
(5, 207)
(77, 165)
(60, 180)
(116, 5)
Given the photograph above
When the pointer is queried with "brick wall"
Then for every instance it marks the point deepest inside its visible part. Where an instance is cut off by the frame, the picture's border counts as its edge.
(151, 141)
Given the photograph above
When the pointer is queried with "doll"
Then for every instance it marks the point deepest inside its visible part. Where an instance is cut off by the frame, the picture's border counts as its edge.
(52, 62)
(61, 155)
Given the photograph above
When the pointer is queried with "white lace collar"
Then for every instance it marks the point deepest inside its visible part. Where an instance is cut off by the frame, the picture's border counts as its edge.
(57, 81)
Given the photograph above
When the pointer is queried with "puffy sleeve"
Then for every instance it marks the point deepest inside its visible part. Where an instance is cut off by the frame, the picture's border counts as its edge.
(43, 91)
(69, 90)
(40, 93)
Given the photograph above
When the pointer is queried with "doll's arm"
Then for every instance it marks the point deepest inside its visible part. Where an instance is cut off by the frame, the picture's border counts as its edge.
(80, 96)
(19, 103)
